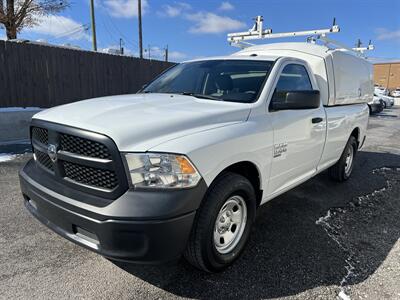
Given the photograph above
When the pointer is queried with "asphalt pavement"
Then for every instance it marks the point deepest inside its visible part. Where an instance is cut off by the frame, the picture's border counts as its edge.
(322, 240)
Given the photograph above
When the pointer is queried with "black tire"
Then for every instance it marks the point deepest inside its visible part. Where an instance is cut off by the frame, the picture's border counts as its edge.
(201, 251)
(383, 104)
(338, 172)
(370, 109)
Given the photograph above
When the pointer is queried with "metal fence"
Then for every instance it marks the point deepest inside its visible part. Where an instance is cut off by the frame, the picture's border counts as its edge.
(45, 76)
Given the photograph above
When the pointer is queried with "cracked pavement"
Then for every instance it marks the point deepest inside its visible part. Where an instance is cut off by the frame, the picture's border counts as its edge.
(317, 241)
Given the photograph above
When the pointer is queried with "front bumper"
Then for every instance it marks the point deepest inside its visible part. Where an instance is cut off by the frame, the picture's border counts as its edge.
(140, 226)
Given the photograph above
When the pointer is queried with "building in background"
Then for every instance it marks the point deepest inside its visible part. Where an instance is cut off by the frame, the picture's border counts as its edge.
(387, 75)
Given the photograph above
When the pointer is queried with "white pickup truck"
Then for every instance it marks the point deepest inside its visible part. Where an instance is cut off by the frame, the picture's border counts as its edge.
(181, 167)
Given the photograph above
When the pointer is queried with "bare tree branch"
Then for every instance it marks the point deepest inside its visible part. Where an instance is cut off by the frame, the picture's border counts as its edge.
(1, 7)
(2, 15)
(10, 10)
(22, 12)
(26, 13)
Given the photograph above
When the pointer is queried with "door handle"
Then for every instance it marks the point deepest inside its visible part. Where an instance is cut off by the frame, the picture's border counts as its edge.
(316, 120)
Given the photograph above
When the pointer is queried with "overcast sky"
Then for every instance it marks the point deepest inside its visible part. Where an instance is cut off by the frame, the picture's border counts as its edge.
(198, 28)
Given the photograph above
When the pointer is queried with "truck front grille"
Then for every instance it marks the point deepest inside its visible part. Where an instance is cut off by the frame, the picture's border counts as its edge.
(84, 147)
(40, 134)
(84, 160)
(90, 176)
(43, 159)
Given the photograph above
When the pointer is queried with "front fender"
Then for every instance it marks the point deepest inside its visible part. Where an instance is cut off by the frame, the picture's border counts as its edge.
(214, 150)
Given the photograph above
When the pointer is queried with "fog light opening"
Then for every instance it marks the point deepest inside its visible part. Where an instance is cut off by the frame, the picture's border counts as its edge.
(86, 235)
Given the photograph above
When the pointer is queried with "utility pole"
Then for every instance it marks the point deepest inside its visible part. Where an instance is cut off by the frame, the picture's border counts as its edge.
(93, 26)
(166, 54)
(140, 28)
(149, 52)
(121, 49)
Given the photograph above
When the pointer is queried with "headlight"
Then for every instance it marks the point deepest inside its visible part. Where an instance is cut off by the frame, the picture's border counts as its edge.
(161, 170)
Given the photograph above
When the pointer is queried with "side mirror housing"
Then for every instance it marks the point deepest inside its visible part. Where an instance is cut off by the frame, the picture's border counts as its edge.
(295, 100)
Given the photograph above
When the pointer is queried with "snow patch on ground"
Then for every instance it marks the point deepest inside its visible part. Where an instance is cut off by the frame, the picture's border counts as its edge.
(324, 220)
(332, 231)
(343, 296)
(7, 157)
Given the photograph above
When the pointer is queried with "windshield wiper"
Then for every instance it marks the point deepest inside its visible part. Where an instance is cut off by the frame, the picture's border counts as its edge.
(201, 96)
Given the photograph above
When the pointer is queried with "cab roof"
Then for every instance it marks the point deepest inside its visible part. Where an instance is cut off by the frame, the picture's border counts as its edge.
(271, 57)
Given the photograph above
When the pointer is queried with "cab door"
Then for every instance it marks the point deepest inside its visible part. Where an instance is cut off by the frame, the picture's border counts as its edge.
(299, 134)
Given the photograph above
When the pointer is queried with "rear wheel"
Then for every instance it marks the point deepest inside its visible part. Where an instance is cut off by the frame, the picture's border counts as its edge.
(383, 104)
(341, 171)
(222, 224)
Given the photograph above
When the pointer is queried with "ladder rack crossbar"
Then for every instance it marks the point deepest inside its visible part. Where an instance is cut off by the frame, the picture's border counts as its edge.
(267, 34)
(359, 50)
(238, 39)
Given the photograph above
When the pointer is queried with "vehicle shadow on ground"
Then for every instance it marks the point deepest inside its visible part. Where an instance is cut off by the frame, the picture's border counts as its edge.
(288, 253)
(384, 114)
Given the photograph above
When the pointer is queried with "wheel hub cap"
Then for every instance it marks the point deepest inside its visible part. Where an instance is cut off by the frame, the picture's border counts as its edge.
(349, 161)
(230, 224)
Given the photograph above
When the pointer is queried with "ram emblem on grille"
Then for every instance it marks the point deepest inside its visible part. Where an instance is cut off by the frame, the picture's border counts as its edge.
(52, 152)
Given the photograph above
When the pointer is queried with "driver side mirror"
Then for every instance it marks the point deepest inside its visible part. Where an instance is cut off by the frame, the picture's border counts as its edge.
(287, 100)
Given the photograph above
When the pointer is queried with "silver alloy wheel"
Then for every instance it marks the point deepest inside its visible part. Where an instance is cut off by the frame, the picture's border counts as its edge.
(349, 161)
(230, 224)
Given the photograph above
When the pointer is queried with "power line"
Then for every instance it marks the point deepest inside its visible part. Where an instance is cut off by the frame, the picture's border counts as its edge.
(131, 42)
(110, 34)
(75, 30)
(59, 22)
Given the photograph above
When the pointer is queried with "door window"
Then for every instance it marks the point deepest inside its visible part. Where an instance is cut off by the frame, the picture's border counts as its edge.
(294, 77)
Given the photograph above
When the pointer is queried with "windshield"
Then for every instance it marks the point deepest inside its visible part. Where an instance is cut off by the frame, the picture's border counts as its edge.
(224, 80)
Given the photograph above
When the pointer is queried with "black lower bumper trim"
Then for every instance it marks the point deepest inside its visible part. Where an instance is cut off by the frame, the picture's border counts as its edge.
(140, 241)
(376, 107)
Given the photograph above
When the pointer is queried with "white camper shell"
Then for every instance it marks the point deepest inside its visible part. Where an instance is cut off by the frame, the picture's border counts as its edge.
(350, 75)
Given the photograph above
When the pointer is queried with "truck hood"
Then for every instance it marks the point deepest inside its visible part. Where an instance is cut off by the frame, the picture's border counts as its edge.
(142, 121)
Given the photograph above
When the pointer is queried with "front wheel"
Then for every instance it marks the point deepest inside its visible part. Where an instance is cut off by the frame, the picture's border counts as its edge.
(341, 171)
(222, 224)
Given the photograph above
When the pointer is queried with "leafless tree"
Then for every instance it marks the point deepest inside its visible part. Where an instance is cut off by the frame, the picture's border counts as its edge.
(18, 14)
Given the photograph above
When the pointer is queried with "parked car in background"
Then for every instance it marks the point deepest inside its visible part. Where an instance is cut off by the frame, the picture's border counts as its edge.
(396, 92)
(380, 90)
(387, 101)
(375, 105)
